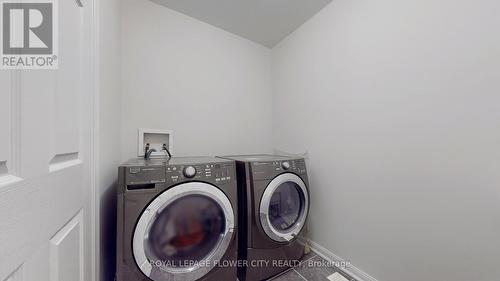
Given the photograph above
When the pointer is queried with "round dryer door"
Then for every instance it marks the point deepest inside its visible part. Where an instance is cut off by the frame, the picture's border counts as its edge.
(184, 232)
(284, 207)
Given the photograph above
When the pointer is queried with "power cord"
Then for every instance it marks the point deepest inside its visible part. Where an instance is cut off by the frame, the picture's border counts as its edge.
(148, 152)
(166, 149)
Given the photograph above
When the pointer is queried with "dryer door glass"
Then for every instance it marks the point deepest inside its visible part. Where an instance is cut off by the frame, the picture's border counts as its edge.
(286, 206)
(183, 232)
(187, 230)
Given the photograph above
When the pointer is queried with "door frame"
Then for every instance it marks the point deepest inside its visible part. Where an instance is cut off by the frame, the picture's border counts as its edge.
(93, 86)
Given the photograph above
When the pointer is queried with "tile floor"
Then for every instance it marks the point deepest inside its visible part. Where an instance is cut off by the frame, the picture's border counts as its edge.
(312, 268)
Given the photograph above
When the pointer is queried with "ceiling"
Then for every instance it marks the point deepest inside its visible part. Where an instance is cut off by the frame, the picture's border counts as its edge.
(264, 21)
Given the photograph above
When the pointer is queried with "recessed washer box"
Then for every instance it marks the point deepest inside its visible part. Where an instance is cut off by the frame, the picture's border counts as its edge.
(156, 138)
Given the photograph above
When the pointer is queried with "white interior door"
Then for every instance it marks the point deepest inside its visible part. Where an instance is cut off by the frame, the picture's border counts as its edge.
(45, 179)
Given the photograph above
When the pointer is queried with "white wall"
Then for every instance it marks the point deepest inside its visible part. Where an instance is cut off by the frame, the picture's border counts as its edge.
(398, 104)
(109, 130)
(209, 86)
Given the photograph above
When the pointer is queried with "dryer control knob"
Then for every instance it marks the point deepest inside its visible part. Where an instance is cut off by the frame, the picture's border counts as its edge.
(189, 172)
(285, 165)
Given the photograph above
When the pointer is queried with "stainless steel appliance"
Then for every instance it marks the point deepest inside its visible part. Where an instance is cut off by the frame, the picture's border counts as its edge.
(177, 220)
(273, 207)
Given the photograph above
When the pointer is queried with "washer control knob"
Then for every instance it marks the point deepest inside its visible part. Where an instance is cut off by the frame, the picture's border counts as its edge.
(189, 172)
(285, 165)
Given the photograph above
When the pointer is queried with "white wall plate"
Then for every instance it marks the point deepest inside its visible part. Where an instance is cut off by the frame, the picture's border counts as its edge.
(156, 138)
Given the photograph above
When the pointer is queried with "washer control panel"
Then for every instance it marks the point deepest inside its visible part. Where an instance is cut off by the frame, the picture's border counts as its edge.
(189, 172)
(211, 172)
(145, 175)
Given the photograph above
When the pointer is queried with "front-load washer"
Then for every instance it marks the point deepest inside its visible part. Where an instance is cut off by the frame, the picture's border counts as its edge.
(273, 208)
(177, 220)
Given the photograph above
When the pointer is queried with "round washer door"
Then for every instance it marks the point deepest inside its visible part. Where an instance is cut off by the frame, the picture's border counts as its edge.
(184, 232)
(284, 207)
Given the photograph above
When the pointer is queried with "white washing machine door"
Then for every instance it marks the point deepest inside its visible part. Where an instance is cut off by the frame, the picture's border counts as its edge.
(284, 207)
(184, 232)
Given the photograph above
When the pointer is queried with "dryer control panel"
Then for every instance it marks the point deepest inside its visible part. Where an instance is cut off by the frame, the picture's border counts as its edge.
(269, 169)
(295, 166)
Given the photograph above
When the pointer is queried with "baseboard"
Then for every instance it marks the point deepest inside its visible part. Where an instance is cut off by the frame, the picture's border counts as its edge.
(352, 270)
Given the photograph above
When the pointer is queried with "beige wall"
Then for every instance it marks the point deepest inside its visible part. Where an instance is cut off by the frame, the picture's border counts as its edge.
(210, 87)
(398, 105)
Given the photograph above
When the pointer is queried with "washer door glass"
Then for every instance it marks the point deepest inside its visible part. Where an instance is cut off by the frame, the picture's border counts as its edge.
(286, 206)
(187, 230)
(184, 232)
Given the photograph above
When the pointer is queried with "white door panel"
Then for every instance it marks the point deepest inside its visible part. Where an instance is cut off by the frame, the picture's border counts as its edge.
(17, 275)
(45, 131)
(36, 267)
(66, 252)
(69, 80)
(33, 211)
(36, 96)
